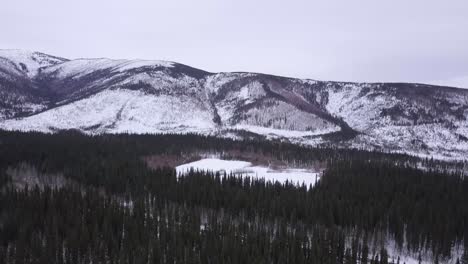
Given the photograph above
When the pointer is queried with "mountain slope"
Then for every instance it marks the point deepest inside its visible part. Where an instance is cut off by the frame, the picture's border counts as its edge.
(18, 89)
(48, 93)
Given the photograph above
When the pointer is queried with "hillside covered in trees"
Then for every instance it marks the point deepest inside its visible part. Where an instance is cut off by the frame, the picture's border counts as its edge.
(72, 198)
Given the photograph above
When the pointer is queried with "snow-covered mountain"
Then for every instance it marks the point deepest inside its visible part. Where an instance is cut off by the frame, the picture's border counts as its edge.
(47, 93)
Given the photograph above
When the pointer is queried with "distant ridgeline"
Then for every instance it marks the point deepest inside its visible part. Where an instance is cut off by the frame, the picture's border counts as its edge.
(71, 198)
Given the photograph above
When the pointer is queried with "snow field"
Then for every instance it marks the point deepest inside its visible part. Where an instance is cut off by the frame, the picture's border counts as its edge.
(246, 169)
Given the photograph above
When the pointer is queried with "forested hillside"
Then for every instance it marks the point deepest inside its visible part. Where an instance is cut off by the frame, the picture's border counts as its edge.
(46, 93)
(72, 198)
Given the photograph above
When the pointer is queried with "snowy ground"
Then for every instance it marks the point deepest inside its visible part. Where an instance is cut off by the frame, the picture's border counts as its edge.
(246, 169)
(273, 132)
(426, 258)
(121, 111)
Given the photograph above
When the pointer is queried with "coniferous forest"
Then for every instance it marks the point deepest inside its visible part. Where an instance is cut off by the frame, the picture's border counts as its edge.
(73, 198)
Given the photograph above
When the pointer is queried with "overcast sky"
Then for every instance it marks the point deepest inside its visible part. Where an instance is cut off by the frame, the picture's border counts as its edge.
(358, 40)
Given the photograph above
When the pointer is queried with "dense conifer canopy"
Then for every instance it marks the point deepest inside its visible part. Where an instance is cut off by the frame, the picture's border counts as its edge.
(109, 206)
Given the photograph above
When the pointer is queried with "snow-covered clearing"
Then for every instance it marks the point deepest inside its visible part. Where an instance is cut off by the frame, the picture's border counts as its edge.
(267, 131)
(247, 169)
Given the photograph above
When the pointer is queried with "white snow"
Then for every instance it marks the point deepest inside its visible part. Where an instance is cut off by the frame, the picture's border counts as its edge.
(120, 111)
(244, 93)
(80, 67)
(360, 112)
(412, 257)
(233, 99)
(272, 132)
(33, 61)
(216, 81)
(213, 164)
(246, 169)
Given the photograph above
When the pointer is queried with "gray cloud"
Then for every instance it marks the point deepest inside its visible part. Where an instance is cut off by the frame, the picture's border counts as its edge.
(361, 40)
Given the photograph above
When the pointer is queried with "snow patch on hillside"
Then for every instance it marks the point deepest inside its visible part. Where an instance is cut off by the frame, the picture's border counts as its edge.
(80, 67)
(282, 116)
(426, 140)
(119, 111)
(360, 111)
(234, 99)
(216, 81)
(272, 132)
(27, 62)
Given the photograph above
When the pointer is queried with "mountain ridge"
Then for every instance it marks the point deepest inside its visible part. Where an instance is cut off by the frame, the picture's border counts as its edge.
(149, 96)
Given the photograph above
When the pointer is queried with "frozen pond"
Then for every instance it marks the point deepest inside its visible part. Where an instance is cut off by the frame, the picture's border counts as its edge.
(246, 169)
